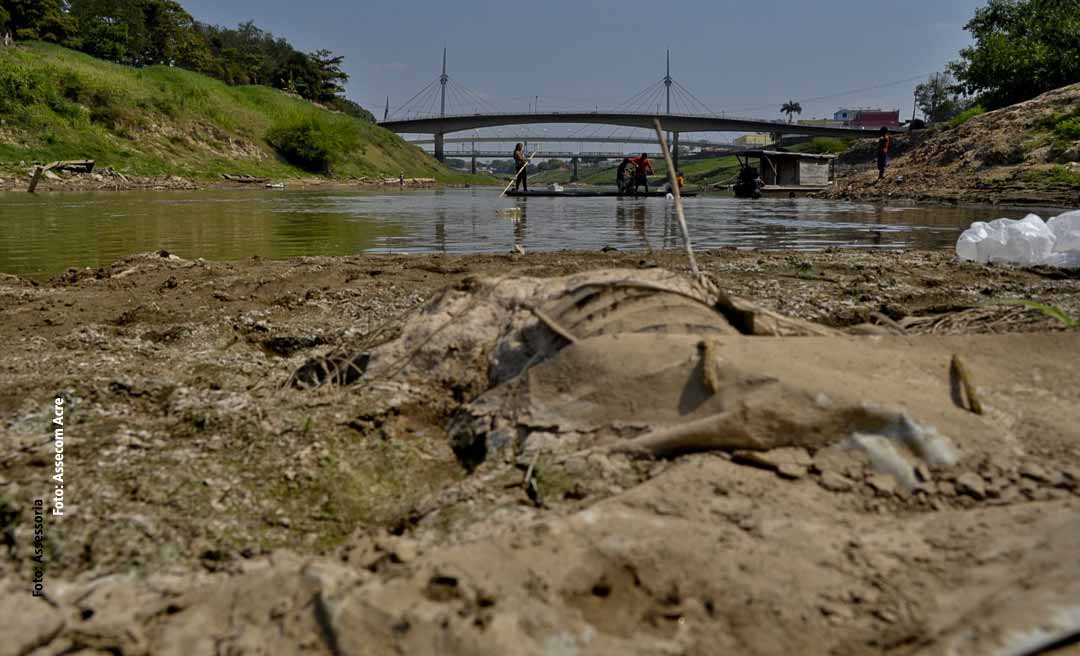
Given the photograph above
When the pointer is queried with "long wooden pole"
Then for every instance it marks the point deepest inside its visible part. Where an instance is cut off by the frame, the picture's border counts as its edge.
(674, 183)
(518, 173)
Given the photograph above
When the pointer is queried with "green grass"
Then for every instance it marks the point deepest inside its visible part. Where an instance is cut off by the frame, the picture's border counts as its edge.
(966, 115)
(823, 146)
(697, 172)
(1054, 175)
(56, 103)
(1047, 309)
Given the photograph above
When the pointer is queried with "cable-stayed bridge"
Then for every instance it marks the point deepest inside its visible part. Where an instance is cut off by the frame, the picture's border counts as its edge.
(426, 113)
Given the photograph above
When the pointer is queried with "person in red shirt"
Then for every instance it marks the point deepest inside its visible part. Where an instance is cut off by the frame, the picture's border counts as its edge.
(642, 168)
(883, 144)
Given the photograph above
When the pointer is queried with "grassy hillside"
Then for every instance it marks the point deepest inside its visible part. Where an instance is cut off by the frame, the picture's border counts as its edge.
(60, 104)
(697, 172)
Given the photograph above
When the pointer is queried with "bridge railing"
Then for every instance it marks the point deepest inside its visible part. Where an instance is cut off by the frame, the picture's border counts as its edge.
(721, 115)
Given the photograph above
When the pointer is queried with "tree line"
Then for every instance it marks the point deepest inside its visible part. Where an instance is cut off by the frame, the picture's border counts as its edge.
(162, 32)
(1020, 49)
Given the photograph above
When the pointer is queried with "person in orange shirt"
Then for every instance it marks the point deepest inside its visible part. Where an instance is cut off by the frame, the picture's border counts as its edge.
(642, 168)
(883, 144)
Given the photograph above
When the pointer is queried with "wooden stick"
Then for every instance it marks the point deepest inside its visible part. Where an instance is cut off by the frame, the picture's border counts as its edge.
(678, 196)
(518, 173)
(36, 178)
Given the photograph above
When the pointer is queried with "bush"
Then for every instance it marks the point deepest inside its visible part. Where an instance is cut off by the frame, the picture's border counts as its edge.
(306, 143)
(1068, 128)
(19, 86)
(964, 116)
(826, 145)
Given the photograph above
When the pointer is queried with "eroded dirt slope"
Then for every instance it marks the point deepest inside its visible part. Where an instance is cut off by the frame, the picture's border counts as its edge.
(1008, 156)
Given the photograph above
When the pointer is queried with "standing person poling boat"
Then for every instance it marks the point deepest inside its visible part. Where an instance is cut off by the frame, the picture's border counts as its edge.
(642, 169)
(620, 175)
(521, 163)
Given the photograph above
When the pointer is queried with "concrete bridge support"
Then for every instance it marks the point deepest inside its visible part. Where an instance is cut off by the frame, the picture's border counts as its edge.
(574, 177)
(472, 165)
(439, 154)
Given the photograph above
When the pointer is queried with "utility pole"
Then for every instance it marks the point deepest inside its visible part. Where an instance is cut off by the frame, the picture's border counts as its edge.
(386, 112)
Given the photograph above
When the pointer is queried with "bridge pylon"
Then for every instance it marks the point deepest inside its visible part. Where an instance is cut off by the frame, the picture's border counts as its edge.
(443, 79)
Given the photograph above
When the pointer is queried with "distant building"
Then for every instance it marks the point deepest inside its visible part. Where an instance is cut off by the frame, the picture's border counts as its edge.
(822, 122)
(753, 139)
(868, 118)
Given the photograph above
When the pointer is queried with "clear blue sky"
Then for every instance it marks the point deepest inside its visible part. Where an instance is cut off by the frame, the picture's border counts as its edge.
(739, 57)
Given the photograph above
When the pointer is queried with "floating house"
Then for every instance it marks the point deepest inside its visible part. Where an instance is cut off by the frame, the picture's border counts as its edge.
(780, 173)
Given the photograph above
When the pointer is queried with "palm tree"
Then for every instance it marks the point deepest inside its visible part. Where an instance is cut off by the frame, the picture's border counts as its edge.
(789, 108)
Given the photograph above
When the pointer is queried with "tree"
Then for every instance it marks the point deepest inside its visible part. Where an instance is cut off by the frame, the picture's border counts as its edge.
(789, 108)
(330, 79)
(1021, 48)
(141, 32)
(40, 19)
(937, 98)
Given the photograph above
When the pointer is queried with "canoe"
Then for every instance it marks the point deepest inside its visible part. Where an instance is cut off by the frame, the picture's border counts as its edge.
(546, 193)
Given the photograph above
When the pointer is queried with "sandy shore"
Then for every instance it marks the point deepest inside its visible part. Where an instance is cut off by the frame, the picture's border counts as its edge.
(208, 505)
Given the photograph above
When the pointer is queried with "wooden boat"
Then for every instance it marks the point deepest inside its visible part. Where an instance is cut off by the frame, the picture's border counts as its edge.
(582, 193)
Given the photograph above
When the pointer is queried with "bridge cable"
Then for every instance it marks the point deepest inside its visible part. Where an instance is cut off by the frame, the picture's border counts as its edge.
(402, 106)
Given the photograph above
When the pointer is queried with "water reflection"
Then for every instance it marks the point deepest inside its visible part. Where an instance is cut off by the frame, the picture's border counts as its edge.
(43, 234)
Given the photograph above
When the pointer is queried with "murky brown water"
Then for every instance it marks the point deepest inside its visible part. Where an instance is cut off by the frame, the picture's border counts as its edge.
(43, 234)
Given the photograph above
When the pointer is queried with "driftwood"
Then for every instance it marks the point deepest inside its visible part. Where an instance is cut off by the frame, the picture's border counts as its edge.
(245, 179)
(73, 165)
(35, 178)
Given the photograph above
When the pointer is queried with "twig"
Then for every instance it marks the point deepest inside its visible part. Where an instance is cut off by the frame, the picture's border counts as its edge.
(553, 325)
(708, 365)
(678, 197)
(532, 490)
(958, 372)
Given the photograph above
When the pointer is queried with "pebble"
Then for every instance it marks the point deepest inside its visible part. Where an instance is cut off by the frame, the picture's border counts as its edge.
(1034, 472)
(972, 485)
(834, 482)
(883, 484)
(791, 471)
(837, 611)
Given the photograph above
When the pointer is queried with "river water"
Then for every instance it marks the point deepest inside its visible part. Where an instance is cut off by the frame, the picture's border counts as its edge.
(43, 234)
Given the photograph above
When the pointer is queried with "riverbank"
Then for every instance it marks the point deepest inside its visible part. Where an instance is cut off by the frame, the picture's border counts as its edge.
(1026, 154)
(165, 127)
(16, 179)
(207, 503)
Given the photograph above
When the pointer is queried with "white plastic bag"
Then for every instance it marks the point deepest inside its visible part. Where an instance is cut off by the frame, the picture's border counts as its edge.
(1028, 241)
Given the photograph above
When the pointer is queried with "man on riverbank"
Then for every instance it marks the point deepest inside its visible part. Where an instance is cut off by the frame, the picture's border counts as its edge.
(521, 164)
(883, 152)
(642, 169)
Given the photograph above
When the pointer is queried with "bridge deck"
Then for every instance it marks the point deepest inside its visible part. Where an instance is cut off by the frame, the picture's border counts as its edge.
(672, 122)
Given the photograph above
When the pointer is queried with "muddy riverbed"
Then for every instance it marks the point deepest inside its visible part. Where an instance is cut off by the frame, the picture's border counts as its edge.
(210, 507)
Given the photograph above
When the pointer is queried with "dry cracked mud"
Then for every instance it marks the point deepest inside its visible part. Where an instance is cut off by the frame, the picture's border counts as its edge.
(210, 507)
